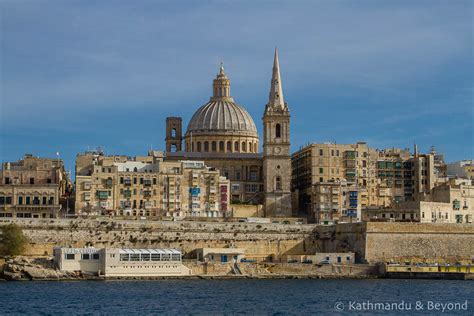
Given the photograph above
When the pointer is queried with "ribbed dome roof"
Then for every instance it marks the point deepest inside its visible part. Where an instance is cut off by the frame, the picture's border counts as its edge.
(222, 116)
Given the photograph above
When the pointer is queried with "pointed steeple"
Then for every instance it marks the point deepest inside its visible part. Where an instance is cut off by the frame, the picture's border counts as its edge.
(276, 91)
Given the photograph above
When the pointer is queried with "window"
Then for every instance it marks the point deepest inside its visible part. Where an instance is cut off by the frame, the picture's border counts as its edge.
(244, 146)
(48, 180)
(20, 200)
(134, 180)
(221, 146)
(51, 200)
(236, 146)
(7, 180)
(321, 170)
(85, 256)
(278, 131)
(348, 258)
(32, 180)
(28, 200)
(278, 183)
(44, 200)
(199, 146)
(321, 152)
(237, 175)
(229, 146)
(121, 180)
(206, 146)
(70, 256)
(124, 257)
(214, 146)
(95, 256)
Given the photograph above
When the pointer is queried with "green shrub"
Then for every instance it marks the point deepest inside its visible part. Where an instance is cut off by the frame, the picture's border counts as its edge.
(12, 240)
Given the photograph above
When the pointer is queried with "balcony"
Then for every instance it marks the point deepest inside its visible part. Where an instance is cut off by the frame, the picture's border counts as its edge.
(103, 195)
(350, 154)
(127, 193)
(147, 193)
(147, 183)
(127, 182)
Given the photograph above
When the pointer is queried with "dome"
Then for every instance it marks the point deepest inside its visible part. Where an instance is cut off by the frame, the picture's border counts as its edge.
(222, 117)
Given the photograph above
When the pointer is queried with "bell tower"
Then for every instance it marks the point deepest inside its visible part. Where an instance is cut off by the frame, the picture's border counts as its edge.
(276, 149)
(173, 134)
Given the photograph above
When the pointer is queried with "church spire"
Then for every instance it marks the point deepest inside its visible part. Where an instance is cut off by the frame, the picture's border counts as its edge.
(276, 91)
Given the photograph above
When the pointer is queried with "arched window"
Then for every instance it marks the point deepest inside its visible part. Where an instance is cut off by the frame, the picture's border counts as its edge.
(229, 146)
(173, 132)
(277, 183)
(236, 146)
(206, 146)
(278, 131)
(214, 146)
(221, 146)
(199, 146)
(250, 147)
(244, 147)
(135, 169)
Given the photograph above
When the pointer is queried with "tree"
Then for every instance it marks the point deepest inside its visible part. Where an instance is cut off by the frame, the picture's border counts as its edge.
(12, 240)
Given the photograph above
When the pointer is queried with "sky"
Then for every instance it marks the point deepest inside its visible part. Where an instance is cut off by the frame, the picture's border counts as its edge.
(76, 75)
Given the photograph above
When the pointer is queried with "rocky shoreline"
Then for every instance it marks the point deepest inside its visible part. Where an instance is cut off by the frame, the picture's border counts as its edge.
(23, 268)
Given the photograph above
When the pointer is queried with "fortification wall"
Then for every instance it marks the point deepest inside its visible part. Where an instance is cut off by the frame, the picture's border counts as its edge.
(258, 239)
(420, 242)
(371, 242)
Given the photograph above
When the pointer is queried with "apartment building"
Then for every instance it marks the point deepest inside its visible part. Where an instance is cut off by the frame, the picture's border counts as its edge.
(148, 186)
(34, 187)
(335, 200)
(382, 178)
(451, 202)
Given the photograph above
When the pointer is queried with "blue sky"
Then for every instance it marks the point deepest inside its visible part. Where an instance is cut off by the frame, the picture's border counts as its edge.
(81, 74)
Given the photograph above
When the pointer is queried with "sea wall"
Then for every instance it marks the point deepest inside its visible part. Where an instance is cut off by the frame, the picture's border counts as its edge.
(371, 242)
(420, 242)
(259, 240)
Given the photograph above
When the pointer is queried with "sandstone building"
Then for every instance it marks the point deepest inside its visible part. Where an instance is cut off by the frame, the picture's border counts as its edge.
(223, 135)
(148, 186)
(34, 187)
(382, 178)
(452, 202)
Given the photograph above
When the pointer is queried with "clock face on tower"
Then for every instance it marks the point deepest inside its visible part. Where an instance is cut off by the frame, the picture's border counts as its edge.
(277, 150)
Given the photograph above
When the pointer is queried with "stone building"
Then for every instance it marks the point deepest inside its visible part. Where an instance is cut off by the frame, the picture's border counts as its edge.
(148, 186)
(34, 187)
(223, 135)
(383, 178)
(461, 169)
(335, 200)
(451, 202)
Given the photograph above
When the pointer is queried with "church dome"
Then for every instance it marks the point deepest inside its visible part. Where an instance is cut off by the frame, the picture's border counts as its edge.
(221, 115)
(221, 125)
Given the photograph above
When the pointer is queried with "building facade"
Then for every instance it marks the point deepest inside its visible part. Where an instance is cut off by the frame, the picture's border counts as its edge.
(461, 169)
(115, 262)
(148, 186)
(335, 200)
(382, 178)
(451, 202)
(223, 135)
(34, 187)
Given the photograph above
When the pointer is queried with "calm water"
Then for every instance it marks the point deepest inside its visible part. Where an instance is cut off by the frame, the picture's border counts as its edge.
(235, 296)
